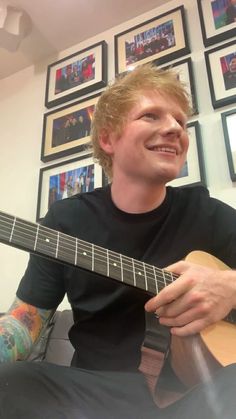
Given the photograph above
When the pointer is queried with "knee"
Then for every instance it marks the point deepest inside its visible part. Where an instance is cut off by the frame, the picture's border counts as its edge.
(10, 372)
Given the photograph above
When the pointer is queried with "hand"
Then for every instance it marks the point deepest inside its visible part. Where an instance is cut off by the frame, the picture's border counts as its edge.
(199, 297)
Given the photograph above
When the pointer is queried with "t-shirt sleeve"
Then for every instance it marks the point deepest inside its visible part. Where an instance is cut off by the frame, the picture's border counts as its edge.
(42, 285)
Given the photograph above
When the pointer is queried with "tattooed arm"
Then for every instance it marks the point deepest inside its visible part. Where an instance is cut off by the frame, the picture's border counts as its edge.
(19, 330)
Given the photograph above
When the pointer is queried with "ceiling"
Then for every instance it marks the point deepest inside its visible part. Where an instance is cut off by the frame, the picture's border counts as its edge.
(60, 24)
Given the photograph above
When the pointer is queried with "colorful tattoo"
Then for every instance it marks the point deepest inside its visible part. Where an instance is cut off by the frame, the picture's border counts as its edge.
(20, 328)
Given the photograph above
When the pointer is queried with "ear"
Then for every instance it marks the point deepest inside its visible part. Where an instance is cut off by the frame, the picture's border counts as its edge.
(106, 141)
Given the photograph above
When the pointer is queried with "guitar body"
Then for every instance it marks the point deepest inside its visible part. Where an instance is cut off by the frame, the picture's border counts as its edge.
(211, 349)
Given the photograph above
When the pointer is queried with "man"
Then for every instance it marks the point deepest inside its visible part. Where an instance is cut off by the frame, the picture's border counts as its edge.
(230, 75)
(65, 80)
(140, 138)
(231, 12)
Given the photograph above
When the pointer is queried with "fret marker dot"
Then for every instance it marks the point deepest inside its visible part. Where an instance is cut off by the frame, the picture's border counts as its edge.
(139, 273)
(114, 264)
(47, 240)
(84, 253)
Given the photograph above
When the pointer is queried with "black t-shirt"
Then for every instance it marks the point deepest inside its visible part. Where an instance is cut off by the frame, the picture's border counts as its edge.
(109, 316)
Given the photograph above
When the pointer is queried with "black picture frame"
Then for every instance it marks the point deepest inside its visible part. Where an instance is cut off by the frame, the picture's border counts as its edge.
(184, 69)
(222, 87)
(214, 26)
(87, 72)
(66, 130)
(171, 46)
(229, 128)
(193, 172)
(61, 180)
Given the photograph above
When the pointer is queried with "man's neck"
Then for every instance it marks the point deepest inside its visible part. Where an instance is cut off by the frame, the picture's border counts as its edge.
(136, 198)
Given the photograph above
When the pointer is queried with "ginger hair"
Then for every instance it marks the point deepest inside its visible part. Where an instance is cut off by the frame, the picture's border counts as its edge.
(119, 98)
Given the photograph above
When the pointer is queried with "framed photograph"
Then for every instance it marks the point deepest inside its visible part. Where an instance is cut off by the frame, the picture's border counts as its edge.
(221, 70)
(193, 171)
(162, 38)
(76, 75)
(65, 179)
(67, 130)
(218, 20)
(184, 71)
(229, 128)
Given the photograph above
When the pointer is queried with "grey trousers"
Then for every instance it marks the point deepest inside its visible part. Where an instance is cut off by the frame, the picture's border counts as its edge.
(46, 391)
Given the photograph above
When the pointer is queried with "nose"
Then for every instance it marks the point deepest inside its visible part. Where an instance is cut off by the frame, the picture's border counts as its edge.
(170, 126)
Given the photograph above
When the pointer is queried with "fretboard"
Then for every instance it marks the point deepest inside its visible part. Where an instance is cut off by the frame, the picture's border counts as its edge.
(70, 250)
(61, 247)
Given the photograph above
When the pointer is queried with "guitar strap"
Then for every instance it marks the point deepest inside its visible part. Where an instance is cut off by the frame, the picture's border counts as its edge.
(154, 350)
(164, 386)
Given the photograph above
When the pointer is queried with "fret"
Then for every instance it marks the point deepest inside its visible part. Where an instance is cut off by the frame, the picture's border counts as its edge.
(13, 226)
(150, 278)
(168, 277)
(6, 222)
(145, 276)
(23, 235)
(128, 271)
(139, 274)
(92, 257)
(156, 281)
(65, 248)
(108, 271)
(84, 255)
(76, 249)
(115, 265)
(36, 237)
(134, 276)
(47, 241)
(164, 277)
(121, 269)
(57, 245)
(100, 260)
(171, 276)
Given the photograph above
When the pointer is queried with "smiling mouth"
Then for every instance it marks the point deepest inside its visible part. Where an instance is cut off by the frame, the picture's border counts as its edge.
(159, 149)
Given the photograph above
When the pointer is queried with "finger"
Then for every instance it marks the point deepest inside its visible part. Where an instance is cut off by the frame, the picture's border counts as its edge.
(169, 294)
(187, 317)
(190, 328)
(178, 267)
(179, 306)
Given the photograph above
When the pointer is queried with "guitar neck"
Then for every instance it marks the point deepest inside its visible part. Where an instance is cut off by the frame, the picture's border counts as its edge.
(61, 247)
(70, 250)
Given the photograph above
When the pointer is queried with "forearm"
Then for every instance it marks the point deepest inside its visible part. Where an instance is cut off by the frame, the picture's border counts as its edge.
(15, 340)
(20, 329)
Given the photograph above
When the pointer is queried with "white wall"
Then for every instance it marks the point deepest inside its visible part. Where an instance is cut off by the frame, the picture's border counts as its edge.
(21, 113)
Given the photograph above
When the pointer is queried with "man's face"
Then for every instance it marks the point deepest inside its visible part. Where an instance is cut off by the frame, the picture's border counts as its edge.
(68, 70)
(232, 65)
(154, 142)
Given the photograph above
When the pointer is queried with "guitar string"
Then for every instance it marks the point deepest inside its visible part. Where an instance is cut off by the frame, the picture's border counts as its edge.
(100, 249)
(137, 277)
(52, 233)
(153, 283)
(158, 284)
(85, 245)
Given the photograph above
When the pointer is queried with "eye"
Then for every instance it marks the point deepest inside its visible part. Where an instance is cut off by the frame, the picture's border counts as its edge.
(149, 116)
(181, 122)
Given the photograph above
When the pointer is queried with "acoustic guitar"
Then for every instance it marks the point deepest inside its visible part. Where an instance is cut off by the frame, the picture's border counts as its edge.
(205, 352)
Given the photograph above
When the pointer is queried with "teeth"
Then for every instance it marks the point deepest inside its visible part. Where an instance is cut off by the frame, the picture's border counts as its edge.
(163, 149)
